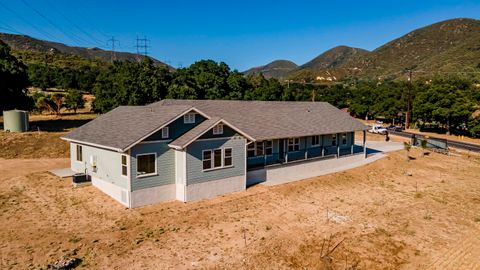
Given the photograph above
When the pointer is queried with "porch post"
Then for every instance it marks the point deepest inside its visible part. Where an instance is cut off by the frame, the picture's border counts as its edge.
(306, 151)
(323, 147)
(365, 143)
(338, 150)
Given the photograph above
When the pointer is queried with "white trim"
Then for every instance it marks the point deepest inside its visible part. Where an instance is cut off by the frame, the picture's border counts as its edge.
(127, 165)
(188, 120)
(212, 159)
(156, 141)
(218, 129)
(203, 158)
(165, 132)
(346, 138)
(147, 174)
(319, 138)
(288, 144)
(166, 124)
(129, 182)
(76, 153)
(93, 144)
(213, 139)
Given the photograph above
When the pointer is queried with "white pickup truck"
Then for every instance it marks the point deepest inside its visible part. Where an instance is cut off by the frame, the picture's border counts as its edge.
(377, 129)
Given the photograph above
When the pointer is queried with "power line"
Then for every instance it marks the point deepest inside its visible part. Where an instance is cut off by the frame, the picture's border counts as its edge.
(71, 36)
(40, 31)
(113, 41)
(142, 46)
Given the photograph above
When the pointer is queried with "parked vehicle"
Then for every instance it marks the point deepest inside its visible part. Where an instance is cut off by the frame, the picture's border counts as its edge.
(377, 129)
(395, 128)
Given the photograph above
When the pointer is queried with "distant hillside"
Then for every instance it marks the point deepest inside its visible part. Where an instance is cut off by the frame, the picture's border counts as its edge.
(30, 49)
(276, 69)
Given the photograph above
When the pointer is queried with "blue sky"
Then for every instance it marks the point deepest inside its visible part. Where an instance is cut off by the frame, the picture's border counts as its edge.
(241, 33)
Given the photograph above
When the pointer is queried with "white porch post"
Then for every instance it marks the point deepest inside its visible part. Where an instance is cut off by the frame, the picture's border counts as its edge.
(365, 143)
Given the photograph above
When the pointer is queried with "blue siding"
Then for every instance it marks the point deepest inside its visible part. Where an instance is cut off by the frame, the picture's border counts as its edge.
(177, 128)
(195, 173)
(227, 132)
(165, 165)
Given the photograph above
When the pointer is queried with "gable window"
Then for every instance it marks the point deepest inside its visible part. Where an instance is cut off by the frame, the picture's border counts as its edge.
(344, 138)
(124, 165)
(165, 132)
(146, 164)
(334, 139)
(259, 148)
(79, 153)
(189, 118)
(251, 150)
(227, 157)
(293, 144)
(316, 140)
(218, 129)
(207, 159)
(268, 148)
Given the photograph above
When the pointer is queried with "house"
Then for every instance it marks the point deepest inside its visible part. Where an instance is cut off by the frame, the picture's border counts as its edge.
(188, 150)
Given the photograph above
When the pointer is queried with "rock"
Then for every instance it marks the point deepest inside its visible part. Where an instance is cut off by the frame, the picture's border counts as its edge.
(66, 263)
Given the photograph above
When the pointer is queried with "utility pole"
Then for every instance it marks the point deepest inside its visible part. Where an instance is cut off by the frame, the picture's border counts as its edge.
(113, 41)
(409, 100)
(142, 46)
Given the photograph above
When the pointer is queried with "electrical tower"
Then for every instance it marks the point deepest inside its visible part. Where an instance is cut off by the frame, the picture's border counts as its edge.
(142, 46)
(113, 41)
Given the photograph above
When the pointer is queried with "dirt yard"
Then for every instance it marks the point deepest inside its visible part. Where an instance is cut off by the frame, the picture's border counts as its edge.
(33, 145)
(391, 214)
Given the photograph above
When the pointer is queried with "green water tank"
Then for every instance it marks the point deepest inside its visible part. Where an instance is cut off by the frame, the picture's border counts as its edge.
(15, 121)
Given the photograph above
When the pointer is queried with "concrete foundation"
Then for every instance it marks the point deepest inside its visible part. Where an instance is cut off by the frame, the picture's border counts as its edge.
(153, 195)
(116, 192)
(214, 188)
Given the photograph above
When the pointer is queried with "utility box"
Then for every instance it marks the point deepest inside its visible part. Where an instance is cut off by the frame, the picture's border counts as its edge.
(15, 121)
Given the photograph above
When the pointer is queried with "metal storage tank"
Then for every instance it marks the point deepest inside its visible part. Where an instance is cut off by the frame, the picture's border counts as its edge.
(15, 121)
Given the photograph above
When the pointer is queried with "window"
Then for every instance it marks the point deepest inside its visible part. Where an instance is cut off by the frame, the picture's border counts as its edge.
(217, 158)
(344, 138)
(165, 133)
(293, 144)
(146, 164)
(124, 165)
(189, 118)
(251, 150)
(227, 157)
(268, 148)
(334, 139)
(207, 159)
(315, 140)
(79, 153)
(259, 148)
(218, 129)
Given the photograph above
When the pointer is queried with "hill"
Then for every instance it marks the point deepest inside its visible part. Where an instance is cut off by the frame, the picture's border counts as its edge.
(276, 69)
(35, 50)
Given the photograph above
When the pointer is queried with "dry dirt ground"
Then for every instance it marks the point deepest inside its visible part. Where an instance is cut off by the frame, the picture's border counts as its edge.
(33, 145)
(390, 214)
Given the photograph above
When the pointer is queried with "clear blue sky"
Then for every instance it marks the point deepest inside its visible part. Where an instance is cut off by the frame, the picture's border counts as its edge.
(241, 33)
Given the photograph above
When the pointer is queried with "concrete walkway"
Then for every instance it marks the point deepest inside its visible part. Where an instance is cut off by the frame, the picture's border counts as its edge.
(285, 174)
(63, 172)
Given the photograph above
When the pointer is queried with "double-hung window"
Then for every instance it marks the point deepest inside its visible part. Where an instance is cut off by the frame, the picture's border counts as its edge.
(217, 158)
(293, 144)
(268, 148)
(124, 165)
(207, 159)
(79, 153)
(146, 164)
(334, 139)
(189, 118)
(218, 129)
(316, 140)
(227, 157)
(165, 132)
(344, 138)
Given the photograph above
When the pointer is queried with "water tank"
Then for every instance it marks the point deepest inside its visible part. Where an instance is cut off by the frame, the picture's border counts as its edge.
(15, 121)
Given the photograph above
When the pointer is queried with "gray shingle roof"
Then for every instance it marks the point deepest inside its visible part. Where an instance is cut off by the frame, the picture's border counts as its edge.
(125, 125)
(195, 132)
(275, 119)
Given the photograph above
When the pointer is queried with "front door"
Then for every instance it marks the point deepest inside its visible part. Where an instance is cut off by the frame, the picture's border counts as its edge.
(281, 149)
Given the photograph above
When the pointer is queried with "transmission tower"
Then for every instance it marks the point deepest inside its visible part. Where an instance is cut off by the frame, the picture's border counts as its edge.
(113, 41)
(142, 46)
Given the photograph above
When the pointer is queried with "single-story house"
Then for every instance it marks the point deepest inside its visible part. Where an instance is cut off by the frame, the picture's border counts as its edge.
(193, 149)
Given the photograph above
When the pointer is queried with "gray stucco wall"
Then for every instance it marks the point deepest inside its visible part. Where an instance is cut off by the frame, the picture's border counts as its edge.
(195, 173)
(109, 164)
(165, 165)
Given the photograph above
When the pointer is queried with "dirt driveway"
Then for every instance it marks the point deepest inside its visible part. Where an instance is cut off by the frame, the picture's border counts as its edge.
(390, 214)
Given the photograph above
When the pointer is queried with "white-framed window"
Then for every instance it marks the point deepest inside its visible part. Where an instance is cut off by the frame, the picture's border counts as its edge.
(218, 129)
(146, 164)
(268, 148)
(344, 138)
(251, 150)
(79, 152)
(124, 165)
(189, 118)
(227, 157)
(334, 139)
(207, 159)
(165, 132)
(293, 144)
(316, 140)
(217, 158)
(259, 148)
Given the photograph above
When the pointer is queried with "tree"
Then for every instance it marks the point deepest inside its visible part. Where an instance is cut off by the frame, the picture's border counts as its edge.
(74, 100)
(13, 82)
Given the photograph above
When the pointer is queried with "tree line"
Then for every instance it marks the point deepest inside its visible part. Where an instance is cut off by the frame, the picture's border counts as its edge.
(451, 104)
